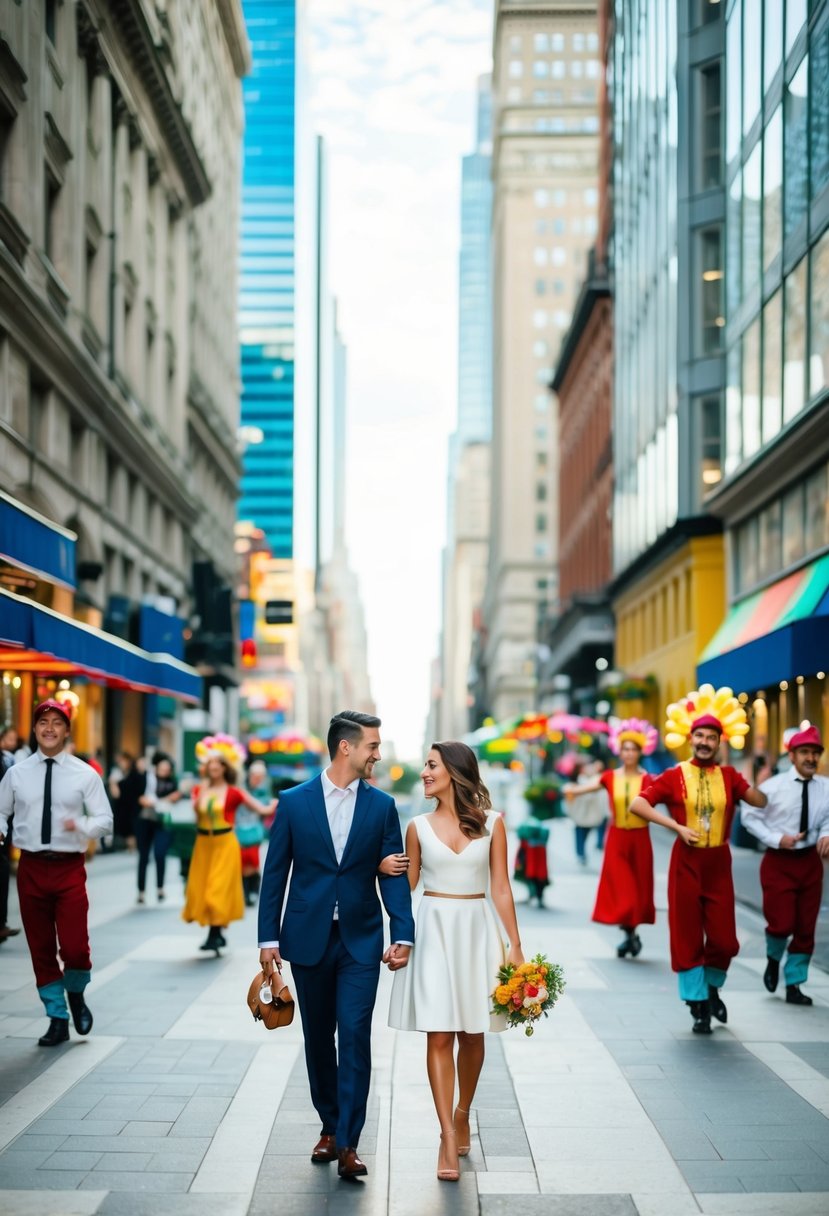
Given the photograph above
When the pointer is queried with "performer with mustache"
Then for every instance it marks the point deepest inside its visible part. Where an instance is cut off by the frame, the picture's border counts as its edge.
(701, 796)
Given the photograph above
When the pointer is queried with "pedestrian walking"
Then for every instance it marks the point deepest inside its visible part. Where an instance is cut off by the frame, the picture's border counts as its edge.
(335, 831)
(531, 865)
(590, 811)
(214, 883)
(460, 851)
(794, 827)
(625, 892)
(701, 796)
(127, 784)
(59, 804)
(250, 829)
(152, 830)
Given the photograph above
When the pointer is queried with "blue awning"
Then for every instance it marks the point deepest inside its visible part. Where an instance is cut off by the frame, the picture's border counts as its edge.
(35, 544)
(36, 639)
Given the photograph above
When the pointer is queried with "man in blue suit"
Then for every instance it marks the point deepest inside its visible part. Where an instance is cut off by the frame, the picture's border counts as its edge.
(335, 831)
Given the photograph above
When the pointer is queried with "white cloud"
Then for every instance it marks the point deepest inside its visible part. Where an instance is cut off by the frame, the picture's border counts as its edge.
(393, 90)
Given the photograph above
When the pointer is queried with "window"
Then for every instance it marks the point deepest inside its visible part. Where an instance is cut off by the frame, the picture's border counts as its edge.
(542, 404)
(577, 69)
(559, 256)
(540, 349)
(50, 15)
(794, 539)
(795, 117)
(772, 41)
(542, 198)
(561, 319)
(819, 106)
(557, 42)
(6, 124)
(558, 69)
(794, 342)
(592, 42)
(591, 197)
(540, 287)
(772, 367)
(816, 494)
(751, 389)
(540, 227)
(540, 319)
(559, 227)
(540, 522)
(752, 61)
(819, 330)
(51, 215)
(747, 555)
(541, 68)
(516, 69)
(541, 43)
(592, 70)
(513, 95)
(541, 491)
(795, 20)
(773, 188)
(515, 44)
(710, 127)
(710, 443)
(540, 255)
(733, 112)
(733, 410)
(578, 42)
(711, 290)
(769, 550)
(752, 210)
(733, 279)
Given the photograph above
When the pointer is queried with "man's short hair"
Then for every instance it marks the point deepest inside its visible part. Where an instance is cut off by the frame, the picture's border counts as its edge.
(349, 725)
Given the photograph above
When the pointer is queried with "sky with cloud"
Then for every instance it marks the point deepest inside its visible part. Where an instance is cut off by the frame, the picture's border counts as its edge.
(392, 88)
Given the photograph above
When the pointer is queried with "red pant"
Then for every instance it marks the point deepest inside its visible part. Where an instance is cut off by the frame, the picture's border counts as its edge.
(53, 908)
(701, 916)
(792, 881)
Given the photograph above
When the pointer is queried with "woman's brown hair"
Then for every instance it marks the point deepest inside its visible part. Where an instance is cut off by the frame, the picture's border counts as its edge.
(230, 771)
(472, 799)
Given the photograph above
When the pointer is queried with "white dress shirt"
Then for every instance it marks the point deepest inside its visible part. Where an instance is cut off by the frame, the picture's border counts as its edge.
(77, 793)
(781, 817)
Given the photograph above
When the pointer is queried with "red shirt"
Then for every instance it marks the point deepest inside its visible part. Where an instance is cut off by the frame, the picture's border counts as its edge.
(670, 788)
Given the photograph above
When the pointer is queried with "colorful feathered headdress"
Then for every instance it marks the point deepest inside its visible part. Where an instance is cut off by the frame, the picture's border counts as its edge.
(633, 730)
(226, 746)
(707, 706)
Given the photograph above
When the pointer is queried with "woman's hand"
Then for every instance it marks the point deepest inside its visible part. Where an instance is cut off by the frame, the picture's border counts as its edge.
(686, 835)
(515, 955)
(395, 863)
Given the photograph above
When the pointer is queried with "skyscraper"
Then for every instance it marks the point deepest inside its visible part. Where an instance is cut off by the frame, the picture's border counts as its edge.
(268, 258)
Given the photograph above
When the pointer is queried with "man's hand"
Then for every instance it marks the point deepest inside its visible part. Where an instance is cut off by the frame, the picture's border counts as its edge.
(270, 960)
(823, 847)
(395, 863)
(396, 956)
(788, 842)
(70, 825)
(686, 835)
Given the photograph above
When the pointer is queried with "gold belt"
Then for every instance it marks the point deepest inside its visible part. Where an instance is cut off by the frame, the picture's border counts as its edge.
(443, 895)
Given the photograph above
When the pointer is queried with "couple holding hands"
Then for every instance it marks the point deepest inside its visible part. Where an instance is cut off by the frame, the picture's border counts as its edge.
(332, 838)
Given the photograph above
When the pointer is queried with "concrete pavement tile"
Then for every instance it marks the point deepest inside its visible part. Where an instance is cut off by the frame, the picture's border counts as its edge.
(122, 1203)
(492, 1183)
(611, 1177)
(71, 1161)
(125, 1180)
(15, 1157)
(148, 1127)
(125, 1106)
(35, 1203)
(42, 1180)
(763, 1205)
(654, 1205)
(193, 1127)
(138, 1144)
(165, 1110)
(795, 1151)
(124, 1161)
(811, 1180)
(78, 1127)
(504, 1165)
(33, 1140)
(491, 1116)
(505, 1142)
(560, 1205)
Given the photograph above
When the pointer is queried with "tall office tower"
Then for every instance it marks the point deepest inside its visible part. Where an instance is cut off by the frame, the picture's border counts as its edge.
(669, 326)
(267, 313)
(464, 559)
(546, 72)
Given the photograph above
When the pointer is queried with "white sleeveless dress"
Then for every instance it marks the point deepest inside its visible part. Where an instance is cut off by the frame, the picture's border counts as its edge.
(453, 966)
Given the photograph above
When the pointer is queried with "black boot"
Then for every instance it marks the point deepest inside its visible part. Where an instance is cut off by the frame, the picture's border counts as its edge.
(81, 1013)
(636, 945)
(247, 887)
(795, 997)
(716, 1004)
(701, 1014)
(57, 1033)
(627, 946)
(771, 975)
(213, 940)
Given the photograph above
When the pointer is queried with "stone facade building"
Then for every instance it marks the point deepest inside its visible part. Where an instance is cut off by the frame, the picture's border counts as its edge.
(120, 145)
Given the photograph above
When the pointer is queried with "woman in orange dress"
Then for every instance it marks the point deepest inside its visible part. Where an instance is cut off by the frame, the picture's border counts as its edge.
(214, 885)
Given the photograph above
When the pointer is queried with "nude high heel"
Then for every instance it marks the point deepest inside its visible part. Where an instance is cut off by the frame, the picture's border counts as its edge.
(463, 1149)
(446, 1175)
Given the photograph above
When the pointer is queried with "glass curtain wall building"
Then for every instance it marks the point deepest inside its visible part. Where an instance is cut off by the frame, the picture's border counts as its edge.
(267, 272)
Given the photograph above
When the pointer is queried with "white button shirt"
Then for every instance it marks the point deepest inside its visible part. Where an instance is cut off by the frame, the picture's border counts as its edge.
(781, 817)
(77, 793)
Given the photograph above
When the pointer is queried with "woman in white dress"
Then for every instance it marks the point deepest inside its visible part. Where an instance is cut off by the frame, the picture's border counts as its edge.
(458, 850)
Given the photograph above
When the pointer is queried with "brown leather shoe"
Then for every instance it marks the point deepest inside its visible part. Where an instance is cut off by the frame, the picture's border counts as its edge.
(325, 1150)
(350, 1164)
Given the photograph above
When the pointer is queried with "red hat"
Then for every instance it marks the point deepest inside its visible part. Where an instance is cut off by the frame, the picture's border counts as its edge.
(59, 707)
(805, 738)
(708, 721)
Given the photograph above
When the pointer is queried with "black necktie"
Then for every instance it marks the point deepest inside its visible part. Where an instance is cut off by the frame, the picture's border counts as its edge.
(804, 806)
(46, 821)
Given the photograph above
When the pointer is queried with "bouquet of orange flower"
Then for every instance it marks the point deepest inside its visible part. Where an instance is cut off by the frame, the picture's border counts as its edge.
(526, 993)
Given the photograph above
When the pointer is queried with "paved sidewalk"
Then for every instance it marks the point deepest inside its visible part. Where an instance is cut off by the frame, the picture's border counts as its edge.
(179, 1103)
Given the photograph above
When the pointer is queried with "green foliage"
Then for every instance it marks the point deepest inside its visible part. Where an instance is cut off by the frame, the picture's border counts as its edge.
(544, 796)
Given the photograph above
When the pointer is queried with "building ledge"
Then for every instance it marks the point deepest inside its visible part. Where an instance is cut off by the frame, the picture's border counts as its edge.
(594, 288)
(669, 542)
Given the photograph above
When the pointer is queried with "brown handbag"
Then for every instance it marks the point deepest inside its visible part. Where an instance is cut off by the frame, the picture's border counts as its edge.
(275, 1013)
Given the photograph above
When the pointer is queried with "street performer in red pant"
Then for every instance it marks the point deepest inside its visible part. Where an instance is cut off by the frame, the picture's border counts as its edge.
(59, 804)
(795, 830)
(701, 796)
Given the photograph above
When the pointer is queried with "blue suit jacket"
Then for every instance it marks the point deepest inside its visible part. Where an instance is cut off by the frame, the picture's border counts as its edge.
(301, 838)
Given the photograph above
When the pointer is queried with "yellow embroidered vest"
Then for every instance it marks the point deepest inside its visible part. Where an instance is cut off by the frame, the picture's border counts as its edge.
(625, 789)
(705, 803)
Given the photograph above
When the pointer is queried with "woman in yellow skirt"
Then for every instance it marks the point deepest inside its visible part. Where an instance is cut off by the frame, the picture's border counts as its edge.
(214, 885)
